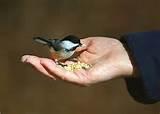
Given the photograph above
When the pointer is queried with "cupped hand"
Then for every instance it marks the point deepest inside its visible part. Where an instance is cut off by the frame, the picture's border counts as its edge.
(108, 58)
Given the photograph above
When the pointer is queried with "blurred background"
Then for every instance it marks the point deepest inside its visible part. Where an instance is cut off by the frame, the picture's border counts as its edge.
(25, 91)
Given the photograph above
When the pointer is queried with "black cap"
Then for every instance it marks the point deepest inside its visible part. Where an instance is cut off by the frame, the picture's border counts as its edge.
(72, 38)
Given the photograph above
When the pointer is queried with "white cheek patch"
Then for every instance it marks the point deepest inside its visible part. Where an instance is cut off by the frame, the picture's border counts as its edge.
(68, 44)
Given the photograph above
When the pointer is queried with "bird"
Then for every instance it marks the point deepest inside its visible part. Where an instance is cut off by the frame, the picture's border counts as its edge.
(61, 49)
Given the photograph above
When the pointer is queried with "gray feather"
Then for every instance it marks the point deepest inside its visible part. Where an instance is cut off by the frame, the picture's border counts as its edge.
(42, 40)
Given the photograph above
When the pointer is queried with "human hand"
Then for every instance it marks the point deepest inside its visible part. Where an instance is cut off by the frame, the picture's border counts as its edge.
(108, 58)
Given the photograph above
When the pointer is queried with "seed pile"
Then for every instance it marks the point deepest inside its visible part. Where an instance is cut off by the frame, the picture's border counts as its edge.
(77, 66)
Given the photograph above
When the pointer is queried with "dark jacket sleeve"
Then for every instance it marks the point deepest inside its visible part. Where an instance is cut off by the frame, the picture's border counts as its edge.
(144, 47)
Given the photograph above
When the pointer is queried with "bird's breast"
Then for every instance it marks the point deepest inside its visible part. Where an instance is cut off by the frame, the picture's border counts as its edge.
(61, 54)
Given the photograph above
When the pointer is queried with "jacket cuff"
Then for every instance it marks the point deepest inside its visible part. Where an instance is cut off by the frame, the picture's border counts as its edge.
(145, 88)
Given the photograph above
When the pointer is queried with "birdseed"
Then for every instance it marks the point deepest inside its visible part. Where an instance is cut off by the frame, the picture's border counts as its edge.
(77, 66)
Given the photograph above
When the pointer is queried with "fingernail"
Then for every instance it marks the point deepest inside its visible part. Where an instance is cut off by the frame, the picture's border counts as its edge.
(24, 58)
(54, 78)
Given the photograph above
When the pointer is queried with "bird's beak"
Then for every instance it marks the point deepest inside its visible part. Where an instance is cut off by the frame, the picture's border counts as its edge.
(80, 44)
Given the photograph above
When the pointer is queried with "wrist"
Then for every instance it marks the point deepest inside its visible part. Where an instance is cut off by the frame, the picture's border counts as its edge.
(130, 64)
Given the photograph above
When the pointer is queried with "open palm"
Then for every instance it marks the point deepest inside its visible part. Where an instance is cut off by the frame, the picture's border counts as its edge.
(107, 56)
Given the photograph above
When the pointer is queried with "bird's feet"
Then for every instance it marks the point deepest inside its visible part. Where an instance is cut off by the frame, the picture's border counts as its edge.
(60, 63)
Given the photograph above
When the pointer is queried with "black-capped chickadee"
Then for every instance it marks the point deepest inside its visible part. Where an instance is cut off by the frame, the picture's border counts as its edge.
(61, 49)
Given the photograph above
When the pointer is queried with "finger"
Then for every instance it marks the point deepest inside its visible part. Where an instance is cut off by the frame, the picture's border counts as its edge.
(35, 62)
(60, 71)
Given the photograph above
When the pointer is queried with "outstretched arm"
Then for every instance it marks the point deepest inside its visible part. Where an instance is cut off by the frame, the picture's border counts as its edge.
(110, 59)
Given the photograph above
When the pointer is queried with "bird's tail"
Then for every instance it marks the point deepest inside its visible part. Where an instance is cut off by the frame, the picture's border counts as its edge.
(42, 40)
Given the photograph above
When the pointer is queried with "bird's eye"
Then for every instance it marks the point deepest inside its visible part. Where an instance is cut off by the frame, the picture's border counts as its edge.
(67, 50)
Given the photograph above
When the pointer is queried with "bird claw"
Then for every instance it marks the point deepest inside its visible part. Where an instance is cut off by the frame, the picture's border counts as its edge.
(60, 63)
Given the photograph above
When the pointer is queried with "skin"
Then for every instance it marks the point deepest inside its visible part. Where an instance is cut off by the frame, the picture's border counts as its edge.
(108, 58)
